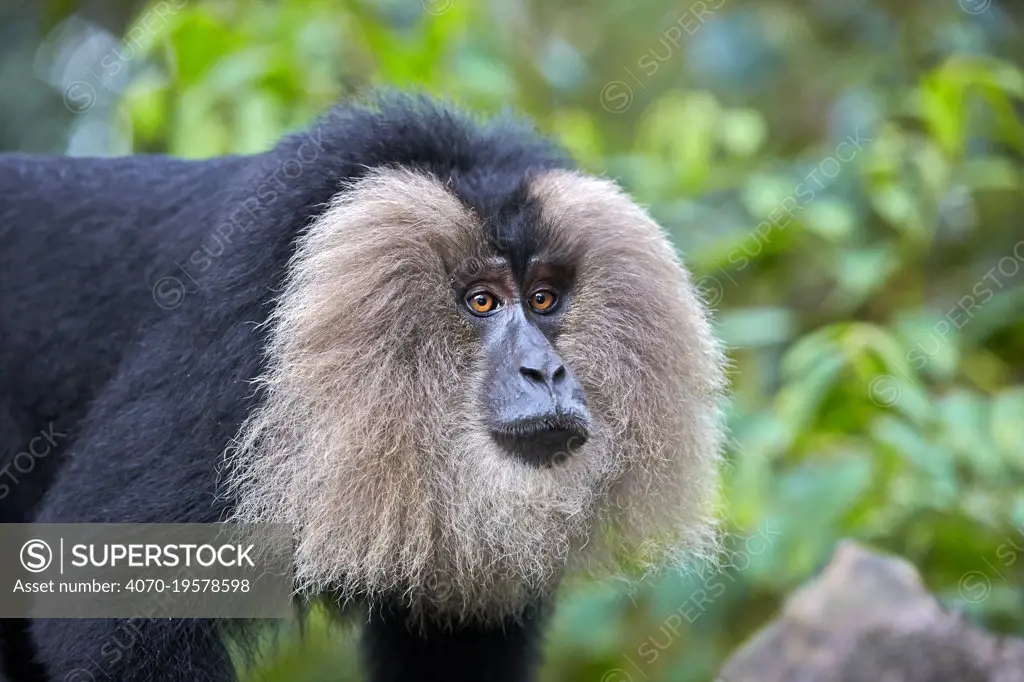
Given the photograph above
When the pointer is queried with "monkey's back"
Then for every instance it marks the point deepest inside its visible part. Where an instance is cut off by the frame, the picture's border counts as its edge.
(80, 240)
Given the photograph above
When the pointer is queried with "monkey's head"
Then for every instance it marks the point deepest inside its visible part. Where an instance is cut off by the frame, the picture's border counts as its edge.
(470, 392)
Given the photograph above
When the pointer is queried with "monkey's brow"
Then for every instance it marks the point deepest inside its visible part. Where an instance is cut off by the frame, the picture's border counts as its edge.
(475, 268)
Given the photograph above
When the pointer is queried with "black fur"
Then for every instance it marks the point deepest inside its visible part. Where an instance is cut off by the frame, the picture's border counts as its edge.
(130, 296)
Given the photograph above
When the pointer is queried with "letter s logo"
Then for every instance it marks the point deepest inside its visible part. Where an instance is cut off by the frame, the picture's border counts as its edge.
(36, 556)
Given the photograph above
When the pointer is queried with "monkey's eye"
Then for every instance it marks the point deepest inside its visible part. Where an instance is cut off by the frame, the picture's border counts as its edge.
(543, 301)
(482, 303)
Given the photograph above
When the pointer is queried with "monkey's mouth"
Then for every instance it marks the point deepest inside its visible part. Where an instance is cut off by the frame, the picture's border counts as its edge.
(543, 441)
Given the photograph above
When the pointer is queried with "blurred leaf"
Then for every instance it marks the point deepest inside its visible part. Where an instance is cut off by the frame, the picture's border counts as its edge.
(755, 327)
(742, 131)
(1007, 416)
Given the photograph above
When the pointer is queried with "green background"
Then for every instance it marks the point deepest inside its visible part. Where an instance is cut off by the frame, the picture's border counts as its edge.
(871, 291)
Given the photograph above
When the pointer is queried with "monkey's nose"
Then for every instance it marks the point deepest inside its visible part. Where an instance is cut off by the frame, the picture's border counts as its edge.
(544, 369)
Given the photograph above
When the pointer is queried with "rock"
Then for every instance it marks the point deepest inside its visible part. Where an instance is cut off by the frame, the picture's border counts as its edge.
(869, 618)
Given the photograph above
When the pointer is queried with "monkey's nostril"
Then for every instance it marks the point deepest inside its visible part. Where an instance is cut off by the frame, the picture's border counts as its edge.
(533, 374)
(559, 374)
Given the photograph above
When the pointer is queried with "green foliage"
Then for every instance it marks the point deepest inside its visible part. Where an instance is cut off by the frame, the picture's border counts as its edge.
(845, 185)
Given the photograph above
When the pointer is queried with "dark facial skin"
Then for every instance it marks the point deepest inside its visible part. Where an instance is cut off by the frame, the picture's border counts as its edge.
(536, 409)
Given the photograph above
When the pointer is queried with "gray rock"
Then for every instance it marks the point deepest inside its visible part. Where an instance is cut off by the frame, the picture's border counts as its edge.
(869, 618)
